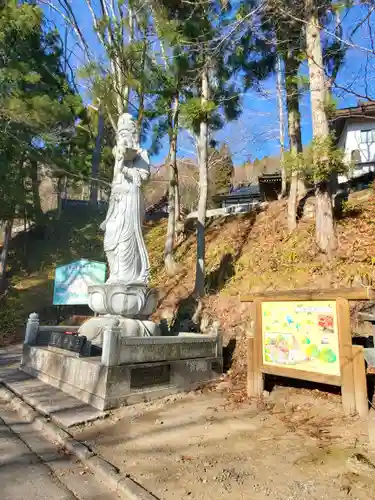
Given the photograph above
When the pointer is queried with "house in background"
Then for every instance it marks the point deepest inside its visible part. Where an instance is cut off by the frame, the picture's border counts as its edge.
(241, 195)
(355, 133)
(158, 210)
(268, 188)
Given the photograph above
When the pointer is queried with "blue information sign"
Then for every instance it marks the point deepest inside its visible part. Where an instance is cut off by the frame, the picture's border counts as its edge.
(72, 280)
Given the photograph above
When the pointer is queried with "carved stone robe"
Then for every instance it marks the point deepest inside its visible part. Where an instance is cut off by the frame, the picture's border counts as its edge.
(123, 240)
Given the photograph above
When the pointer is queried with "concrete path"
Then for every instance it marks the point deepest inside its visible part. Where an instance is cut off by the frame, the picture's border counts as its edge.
(32, 468)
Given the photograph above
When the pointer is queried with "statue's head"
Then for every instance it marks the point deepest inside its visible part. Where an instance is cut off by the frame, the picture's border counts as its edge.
(127, 137)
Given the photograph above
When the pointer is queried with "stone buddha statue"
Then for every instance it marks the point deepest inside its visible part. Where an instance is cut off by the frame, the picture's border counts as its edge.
(123, 240)
(126, 295)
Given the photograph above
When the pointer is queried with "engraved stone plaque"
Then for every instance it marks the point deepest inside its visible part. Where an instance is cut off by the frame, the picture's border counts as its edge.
(150, 376)
(72, 343)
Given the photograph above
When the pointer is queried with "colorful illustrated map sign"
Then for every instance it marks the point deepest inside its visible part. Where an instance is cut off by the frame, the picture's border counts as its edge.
(301, 336)
(72, 280)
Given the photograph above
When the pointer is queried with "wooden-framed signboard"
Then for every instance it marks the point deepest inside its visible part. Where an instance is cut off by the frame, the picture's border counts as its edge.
(308, 340)
(300, 340)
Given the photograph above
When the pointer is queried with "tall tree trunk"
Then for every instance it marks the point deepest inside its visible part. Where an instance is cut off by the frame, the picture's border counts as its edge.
(294, 133)
(25, 231)
(95, 165)
(37, 208)
(125, 90)
(60, 183)
(203, 188)
(4, 253)
(169, 262)
(180, 225)
(141, 90)
(329, 81)
(177, 196)
(325, 229)
(279, 88)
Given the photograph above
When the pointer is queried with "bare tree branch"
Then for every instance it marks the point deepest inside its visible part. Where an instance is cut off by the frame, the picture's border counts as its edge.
(70, 19)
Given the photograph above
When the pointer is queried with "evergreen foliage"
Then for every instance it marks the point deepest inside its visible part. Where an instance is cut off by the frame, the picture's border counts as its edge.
(221, 171)
(38, 106)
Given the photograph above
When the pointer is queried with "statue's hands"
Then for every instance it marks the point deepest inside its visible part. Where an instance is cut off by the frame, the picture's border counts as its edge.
(136, 177)
(132, 174)
(144, 174)
(128, 172)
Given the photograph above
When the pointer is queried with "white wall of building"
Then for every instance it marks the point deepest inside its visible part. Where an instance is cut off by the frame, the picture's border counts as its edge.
(353, 138)
(350, 139)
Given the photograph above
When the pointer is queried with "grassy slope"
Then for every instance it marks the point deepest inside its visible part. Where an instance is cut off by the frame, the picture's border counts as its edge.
(32, 263)
(244, 253)
(256, 254)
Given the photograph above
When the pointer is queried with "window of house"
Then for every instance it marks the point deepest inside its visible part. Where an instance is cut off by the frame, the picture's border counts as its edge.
(367, 136)
(356, 156)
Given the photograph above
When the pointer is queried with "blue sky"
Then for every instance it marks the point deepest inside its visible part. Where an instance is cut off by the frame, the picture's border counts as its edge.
(255, 133)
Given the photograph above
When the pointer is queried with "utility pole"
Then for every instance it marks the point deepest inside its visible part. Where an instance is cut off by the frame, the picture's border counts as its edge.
(96, 156)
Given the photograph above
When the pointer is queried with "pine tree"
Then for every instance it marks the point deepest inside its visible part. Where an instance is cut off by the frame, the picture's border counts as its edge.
(325, 229)
(215, 99)
(120, 78)
(171, 81)
(289, 21)
(221, 171)
(204, 97)
(287, 31)
(37, 107)
(280, 38)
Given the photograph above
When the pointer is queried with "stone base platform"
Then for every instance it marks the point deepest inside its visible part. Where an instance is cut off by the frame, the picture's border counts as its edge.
(110, 386)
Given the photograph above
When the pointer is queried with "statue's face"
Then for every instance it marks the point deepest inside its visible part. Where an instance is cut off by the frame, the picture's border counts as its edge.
(127, 147)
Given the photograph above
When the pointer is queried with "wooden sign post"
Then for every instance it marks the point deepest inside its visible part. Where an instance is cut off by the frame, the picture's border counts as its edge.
(307, 340)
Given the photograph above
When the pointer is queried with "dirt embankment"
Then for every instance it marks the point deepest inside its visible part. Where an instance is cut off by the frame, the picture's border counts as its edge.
(253, 254)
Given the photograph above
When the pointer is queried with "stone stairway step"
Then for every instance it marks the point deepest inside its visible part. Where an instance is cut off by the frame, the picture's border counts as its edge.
(65, 410)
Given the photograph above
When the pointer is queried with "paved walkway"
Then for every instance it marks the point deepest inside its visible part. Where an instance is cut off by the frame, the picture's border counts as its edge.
(32, 468)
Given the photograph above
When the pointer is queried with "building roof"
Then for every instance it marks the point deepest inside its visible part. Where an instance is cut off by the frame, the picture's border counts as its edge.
(363, 111)
(163, 203)
(245, 192)
(270, 178)
(158, 206)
